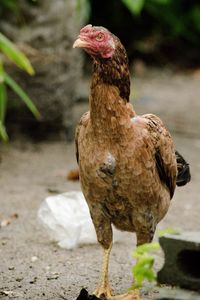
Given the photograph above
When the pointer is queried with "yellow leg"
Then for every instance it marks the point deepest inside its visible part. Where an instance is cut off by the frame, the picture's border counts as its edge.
(103, 290)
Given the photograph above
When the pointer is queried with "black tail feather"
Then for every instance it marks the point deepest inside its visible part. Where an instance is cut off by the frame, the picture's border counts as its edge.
(184, 175)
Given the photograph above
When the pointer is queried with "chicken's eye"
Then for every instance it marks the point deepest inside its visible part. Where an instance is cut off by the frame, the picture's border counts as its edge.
(100, 37)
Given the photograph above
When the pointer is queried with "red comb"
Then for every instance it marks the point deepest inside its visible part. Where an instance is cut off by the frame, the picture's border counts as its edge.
(86, 28)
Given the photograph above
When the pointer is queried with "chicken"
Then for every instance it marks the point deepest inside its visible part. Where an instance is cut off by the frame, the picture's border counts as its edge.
(127, 162)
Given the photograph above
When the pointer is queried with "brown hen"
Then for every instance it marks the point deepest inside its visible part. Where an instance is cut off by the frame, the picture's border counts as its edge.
(127, 162)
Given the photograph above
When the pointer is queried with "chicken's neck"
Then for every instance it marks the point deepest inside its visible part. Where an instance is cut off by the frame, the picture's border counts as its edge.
(110, 111)
(113, 72)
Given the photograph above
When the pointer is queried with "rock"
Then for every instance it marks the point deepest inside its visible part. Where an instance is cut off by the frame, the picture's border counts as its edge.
(176, 294)
(18, 279)
(182, 260)
(53, 276)
(34, 258)
(33, 281)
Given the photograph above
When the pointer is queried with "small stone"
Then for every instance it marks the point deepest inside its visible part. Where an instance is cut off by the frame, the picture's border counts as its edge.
(7, 293)
(33, 281)
(5, 223)
(34, 258)
(14, 216)
(19, 279)
(53, 276)
(11, 268)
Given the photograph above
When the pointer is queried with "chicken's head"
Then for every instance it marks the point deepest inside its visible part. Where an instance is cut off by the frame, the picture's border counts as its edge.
(96, 41)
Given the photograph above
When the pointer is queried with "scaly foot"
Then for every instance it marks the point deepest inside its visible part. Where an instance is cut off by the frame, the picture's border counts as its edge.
(103, 292)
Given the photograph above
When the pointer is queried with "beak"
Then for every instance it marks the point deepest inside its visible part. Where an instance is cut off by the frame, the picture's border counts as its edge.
(80, 43)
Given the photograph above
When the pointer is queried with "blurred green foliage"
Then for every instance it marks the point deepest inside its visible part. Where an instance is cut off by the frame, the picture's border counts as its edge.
(84, 10)
(145, 255)
(180, 17)
(13, 5)
(10, 8)
(18, 58)
(174, 18)
(143, 269)
(9, 4)
(156, 29)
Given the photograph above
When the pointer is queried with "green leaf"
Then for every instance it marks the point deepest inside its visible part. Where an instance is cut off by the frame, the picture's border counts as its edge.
(143, 263)
(16, 56)
(3, 104)
(145, 248)
(143, 270)
(3, 132)
(24, 97)
(84, 10)
(10, 4)
(135, 6)
(169, 230)
(3, 95)
(195, 16)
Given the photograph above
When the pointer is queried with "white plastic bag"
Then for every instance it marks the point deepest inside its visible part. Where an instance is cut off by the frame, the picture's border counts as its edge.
(67, 220)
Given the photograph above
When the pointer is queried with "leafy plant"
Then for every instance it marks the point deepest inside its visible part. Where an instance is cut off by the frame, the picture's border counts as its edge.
(84, 9)
(13, 5)
(143, 269)
(18, 58)
(135, 6)
(156, 31)
(10, 4)
(145, 258)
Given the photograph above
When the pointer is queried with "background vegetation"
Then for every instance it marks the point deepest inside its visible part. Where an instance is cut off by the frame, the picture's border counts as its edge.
(157, 31)
(18, 58)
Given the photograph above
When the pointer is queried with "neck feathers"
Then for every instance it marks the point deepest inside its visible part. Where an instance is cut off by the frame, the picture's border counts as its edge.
(113, 71)
(110, 115)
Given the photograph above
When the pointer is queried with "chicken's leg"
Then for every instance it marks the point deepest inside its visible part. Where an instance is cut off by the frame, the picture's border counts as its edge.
(103, 290)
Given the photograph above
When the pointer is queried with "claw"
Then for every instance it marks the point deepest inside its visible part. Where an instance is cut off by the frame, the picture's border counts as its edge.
(103, 292)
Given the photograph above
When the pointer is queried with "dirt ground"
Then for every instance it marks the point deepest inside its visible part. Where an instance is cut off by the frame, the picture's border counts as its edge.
(29, 172)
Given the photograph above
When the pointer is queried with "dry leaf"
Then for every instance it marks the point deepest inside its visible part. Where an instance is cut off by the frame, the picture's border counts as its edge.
(7, 221)
(73, 175)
